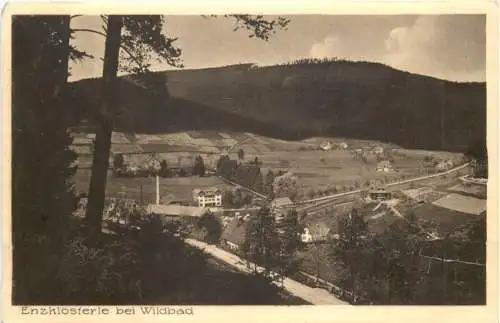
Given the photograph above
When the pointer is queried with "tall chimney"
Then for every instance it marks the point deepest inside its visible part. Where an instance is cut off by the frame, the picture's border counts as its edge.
(157, 190)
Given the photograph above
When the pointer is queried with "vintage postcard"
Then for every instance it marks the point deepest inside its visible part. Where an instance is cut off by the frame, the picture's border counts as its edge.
(250, 162)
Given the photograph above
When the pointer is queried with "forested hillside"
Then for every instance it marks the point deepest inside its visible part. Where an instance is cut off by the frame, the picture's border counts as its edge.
(309, 97)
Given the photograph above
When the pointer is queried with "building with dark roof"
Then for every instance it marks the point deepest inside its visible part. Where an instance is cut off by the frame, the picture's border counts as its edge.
(175, 210)
(280, 207)
(234, 234)
(379, 194)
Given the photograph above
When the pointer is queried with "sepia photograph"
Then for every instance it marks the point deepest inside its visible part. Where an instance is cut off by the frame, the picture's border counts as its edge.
(248, 159)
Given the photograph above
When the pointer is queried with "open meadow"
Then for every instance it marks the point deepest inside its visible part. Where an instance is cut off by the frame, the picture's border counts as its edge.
(171, 189)
(315, 169)
(318, 169)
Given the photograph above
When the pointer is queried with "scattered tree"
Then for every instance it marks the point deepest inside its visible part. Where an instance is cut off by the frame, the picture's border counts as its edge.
(241, 154)
(118, 162)
(311, 193)
(268, 183)
(262, 244)
(211, 226)
(164, 168)
(477, 151)
(350, 247)
(256, 161)
(319, 254)
(199, 166)
(288, 230)
(285, 186)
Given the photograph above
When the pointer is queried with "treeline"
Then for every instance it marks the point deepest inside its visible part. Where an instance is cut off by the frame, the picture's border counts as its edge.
(401, 266)
(314, 61)
(275, 184)
(247, 175)
(155, 167)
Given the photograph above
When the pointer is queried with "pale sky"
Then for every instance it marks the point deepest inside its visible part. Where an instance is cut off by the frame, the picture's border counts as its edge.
(451, 47)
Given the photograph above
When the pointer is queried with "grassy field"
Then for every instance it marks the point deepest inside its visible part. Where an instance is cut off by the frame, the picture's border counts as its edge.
(321, 168)
(170, 188)
(314, 168)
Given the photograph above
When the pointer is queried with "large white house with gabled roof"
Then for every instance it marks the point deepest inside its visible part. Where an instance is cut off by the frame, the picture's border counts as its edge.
(207, 197)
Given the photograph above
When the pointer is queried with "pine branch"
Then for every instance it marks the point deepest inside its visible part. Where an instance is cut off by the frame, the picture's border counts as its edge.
(125, 49)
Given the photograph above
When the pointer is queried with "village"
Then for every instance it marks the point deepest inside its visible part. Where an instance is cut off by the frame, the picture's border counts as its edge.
(259, 160)
(444, 197)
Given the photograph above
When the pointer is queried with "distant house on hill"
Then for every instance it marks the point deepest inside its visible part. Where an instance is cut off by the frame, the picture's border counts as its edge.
(207, 197)
(444, 165)
(234, 234)
(343, 145)
(378, 150)
(385, 166)
(326, 145)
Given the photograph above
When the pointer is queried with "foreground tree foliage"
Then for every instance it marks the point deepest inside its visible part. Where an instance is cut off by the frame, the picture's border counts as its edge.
(42, 196)
(211, 228)
(478, 153)
(401, 266)
(141, 38)
(261, 246)
(54, 260)
(271, 245)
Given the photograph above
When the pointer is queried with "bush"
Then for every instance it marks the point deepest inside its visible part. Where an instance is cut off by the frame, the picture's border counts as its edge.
(210, 228)
(130, 267)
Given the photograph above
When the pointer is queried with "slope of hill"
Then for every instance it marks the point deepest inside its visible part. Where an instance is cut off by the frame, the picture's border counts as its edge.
(333, 98)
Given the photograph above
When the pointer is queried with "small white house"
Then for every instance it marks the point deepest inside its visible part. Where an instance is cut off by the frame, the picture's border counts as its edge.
(385, 166)
(306, 236)
(378, 150)
(314, 233)
(326, 145)
(444, 165)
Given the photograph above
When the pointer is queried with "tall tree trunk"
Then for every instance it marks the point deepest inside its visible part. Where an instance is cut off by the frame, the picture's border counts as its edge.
(100, 161)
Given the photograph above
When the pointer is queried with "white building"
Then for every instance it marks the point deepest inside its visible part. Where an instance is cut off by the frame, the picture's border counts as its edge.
(306, 236)
(207, 197)
(326, 145)
(385, 166)
(314, 233)
(444, 165)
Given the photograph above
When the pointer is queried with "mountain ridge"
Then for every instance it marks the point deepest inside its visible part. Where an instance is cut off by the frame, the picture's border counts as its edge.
(334, 98)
